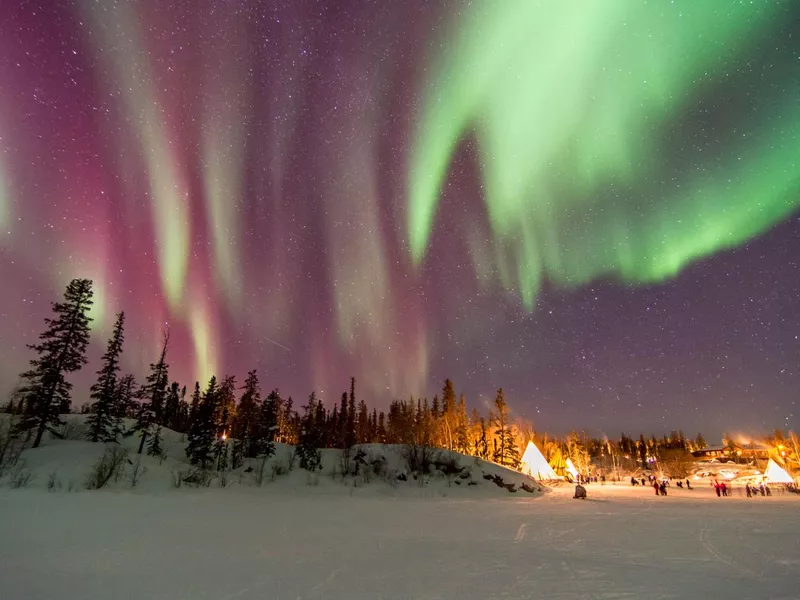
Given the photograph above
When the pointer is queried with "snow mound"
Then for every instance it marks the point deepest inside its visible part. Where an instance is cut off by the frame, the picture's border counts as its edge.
(379, 469)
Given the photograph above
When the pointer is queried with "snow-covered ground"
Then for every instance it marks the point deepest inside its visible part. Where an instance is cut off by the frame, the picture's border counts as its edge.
(326, 536)
(337, 542)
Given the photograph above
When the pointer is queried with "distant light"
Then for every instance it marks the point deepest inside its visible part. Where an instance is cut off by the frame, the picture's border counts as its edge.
(223, 436)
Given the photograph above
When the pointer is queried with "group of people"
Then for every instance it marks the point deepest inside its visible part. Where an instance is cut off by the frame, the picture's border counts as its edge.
(751, 491)
(755, 490)
(659, 485)
(720, 487)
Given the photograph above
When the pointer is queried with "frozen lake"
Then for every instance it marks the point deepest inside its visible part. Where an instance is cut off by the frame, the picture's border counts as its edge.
(322, 543)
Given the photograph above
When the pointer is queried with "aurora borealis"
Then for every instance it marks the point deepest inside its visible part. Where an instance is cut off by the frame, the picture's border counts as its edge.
(592, 204)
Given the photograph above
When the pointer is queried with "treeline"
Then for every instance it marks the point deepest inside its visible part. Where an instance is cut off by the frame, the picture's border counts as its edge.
(222, 411)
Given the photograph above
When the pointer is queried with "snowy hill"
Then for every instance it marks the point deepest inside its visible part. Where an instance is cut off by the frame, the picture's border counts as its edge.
(67, 465)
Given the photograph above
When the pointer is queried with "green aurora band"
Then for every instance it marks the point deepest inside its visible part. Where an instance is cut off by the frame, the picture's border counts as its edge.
(571, 104)
(122, 46)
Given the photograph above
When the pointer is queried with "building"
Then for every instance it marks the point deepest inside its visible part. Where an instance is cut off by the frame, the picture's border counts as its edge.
(735, 451)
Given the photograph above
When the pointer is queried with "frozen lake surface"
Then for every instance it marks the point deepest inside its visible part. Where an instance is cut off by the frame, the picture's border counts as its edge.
(249, 544)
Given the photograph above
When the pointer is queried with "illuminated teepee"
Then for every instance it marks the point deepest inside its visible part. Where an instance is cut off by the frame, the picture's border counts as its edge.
(534, 464)
(570, 467)
(558, 463)
(776, 474)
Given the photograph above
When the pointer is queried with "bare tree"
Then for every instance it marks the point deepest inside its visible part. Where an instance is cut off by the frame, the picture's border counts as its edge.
(677, 462)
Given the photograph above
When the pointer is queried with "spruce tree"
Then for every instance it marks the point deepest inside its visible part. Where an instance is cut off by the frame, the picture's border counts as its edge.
(505, 452)
(449, 413)
(344, 419)
(362, 424)
(512, 451)
(202, 432)
(427, 424)
(224, 404)
(321, 424)
(351, 414)
(291, 422)
(308, 451)
(266, 426)
(155, 445)
(183, 413)
(332, 433)
(237, 454)
(373, 428)
(462, 427)
(244, 424)
(642, 448)
(61, 350)
(102, 421)
(172, 407)
(153, 395)
(16, 401)
(123, 400)
(381, 431)
(194, 407)
(221, 452)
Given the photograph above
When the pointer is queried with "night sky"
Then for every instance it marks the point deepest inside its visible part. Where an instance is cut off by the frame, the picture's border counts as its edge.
(593, 204)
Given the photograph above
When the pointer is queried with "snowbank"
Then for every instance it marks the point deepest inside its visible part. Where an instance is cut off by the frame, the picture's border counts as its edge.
(64, 465)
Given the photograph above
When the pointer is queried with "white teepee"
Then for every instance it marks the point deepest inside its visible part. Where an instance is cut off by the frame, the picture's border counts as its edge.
(776, 474)
(534, 464)
(571, 469)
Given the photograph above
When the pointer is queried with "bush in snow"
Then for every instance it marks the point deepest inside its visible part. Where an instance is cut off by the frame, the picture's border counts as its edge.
(261, 466)
(107, 467)
(20, 475)
(377, 464)
(136, 472)
(344, 461)
(11, 443)
(198, 478)
(310, 458)
(369, 466)
(449, 465)
(71, 431)
(391, 478)
(53, 482)
(278, 469)
(177, 478)
(420, 458)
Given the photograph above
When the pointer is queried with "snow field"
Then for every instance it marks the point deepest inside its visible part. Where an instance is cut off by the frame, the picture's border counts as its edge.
(289, 542)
